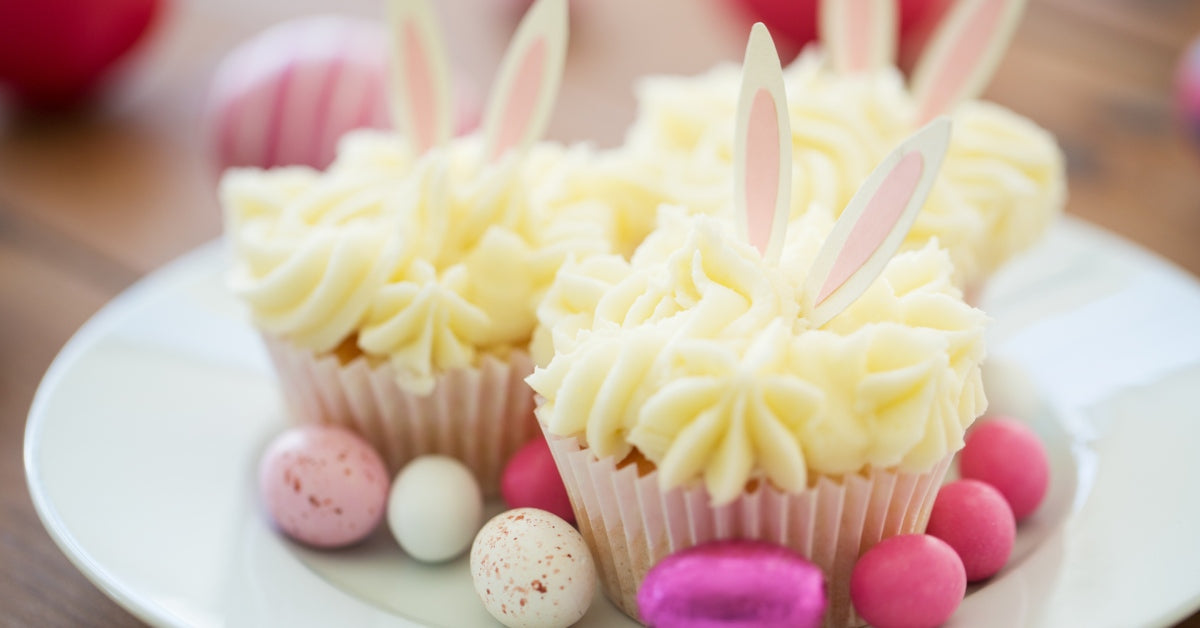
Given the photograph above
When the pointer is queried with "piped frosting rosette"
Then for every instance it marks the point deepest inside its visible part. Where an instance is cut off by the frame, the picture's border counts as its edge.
(1002, 184)
(397, 290)
(382, 280)
(688, 399)
(694, 354)
(753, 375)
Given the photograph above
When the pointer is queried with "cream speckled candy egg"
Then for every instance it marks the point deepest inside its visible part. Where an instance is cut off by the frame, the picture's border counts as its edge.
(435, 508)
(532, 570)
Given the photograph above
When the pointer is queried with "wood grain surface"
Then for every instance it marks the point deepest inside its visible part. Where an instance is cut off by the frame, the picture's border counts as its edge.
(92, 201)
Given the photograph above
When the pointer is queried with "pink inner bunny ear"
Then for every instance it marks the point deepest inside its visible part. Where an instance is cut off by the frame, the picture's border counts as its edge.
(875, 223)
(763, 150)
(420, 83)
(859, 35)
(963, 53)
(882, 213)
(521, 101)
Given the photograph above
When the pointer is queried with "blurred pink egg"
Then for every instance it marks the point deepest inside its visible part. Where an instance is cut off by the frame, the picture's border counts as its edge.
(1187, 88)
(286, 96)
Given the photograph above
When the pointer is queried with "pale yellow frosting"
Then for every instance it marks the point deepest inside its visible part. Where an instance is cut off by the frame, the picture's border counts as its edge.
(696, 352)
(424, 262)
(1002, 183)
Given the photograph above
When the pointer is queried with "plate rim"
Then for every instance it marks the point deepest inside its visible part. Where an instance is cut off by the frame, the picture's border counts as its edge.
(107, 317)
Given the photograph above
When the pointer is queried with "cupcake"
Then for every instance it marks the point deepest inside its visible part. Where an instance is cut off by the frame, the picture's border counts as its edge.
(700, 391)
(396, 291)
(1003, 182)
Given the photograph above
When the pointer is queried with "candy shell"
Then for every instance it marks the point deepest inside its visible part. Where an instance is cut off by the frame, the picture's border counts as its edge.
(1005, 453)
(974, 519)
(733, 584)
(435, 508)
(286, 96)
(911, 580)
(531, 569)
(1187, 89)
(323, 485)
(531, 480)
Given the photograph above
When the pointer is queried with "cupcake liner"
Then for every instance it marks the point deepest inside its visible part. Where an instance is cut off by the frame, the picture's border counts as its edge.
(630, 523)
(480, 415)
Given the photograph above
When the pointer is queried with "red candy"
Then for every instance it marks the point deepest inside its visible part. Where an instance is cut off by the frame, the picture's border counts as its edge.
(795, 21)
(56, 53)
(911, 580)
(1006, 454)
(974, 519)
(531, 480)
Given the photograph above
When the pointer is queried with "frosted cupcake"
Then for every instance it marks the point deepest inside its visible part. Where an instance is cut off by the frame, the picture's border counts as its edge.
(731, 381)
(1002, 184)
(397, 290)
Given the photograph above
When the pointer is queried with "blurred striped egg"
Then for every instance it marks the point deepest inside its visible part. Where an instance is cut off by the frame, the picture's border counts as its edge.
(288, 94)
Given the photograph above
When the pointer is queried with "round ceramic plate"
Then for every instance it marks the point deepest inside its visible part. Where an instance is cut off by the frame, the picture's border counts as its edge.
(143, 439)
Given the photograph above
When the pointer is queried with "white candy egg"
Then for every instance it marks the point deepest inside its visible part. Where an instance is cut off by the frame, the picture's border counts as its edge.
(532, 570)
(434, 508)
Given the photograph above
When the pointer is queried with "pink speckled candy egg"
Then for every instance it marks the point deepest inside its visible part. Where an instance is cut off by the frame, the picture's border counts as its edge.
(974, 519)
(531, 480)
(1007, 454)
(286, 96)
(733, 584)
(911, 581)
(531, 569)
(323, 485)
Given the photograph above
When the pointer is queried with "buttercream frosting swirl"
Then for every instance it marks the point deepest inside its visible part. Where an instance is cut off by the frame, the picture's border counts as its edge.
(697, 354)
(426, 262)
(1002, 183)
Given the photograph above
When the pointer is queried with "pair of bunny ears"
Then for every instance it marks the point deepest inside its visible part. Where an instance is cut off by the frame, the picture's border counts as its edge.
(870, 229)
(521, 99)
(957, 63)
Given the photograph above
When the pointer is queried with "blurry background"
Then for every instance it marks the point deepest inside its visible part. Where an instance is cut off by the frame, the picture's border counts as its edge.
(92, 198)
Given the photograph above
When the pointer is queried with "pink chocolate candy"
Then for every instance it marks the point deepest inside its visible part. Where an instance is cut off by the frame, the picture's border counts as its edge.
(974, 519)
(912, 580)
(1006, 454)
(733, 584)
(324, 486)
(286, 96)
(531, 480)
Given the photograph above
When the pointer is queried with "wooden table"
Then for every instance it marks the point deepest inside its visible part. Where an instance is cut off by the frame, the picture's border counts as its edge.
(90, 203)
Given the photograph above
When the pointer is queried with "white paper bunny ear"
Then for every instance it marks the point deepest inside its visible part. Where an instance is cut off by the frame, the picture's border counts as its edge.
(859, 35)
(420, 85)
(522, 99)
(963, 53)
(763, 148)
(875, 223)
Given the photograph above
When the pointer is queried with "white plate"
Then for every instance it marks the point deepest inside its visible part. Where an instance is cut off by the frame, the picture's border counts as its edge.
(143, 438)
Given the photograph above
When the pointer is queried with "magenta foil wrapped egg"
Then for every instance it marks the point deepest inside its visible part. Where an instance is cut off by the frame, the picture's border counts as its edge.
(733, 584)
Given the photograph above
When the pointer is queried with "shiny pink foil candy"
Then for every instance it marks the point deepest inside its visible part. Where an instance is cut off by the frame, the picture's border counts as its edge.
(286, 96)
(733, 584)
